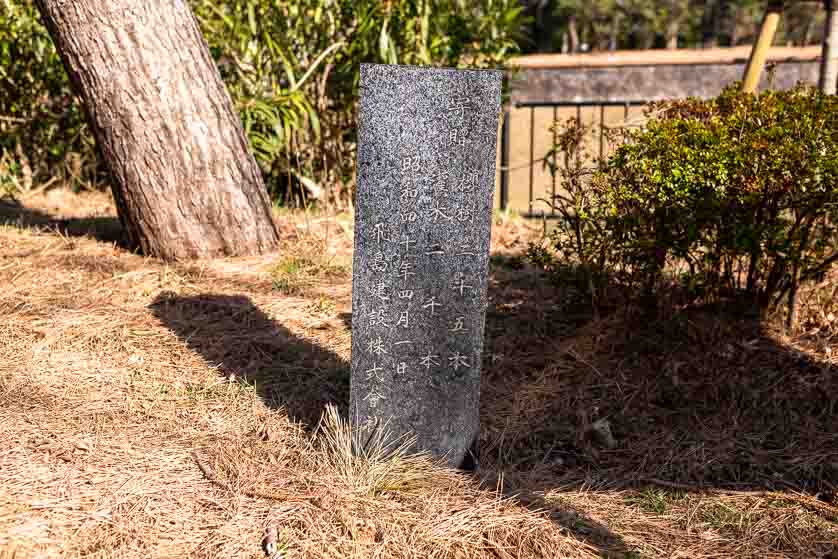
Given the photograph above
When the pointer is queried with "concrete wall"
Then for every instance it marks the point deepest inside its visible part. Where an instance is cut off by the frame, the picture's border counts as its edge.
(651, 75)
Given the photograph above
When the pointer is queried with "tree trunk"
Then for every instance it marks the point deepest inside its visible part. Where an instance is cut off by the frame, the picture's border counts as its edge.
(672, 28)
(184, 180)
(614, 34)
(734, 25)
(710, 24)
(544, 26)
(573, 34)
(829, 55)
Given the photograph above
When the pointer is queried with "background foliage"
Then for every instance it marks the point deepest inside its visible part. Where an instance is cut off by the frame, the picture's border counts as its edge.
(591, 25)
(42, 131)
(291, 66)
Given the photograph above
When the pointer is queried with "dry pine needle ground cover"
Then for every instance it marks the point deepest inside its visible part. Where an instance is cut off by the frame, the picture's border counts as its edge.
(183, 410)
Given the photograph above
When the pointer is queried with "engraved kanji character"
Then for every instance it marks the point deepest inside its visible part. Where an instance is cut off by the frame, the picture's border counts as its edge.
(439, 180)
(379, 262)
(369, 423)
(374, 372)
(377, 318)
(461, 286)
(380, 290)
(401, 368)
(457, 360)
(432, 304)
(429, 360)
(464, 249)
(463, 214)
(379, 233)
(403, 342)
(458, 324)
(468, 182)
(435, 249)
(404, 319)
(410, 163)
(376, 346)
(458, 106)
(406, 243)
(406, 270)
(406, 294)
(436, 211)
(408, 194)
(457, 137)
(410, 216)
(373, 398)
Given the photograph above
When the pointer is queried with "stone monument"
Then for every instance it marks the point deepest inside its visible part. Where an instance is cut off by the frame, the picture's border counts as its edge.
(426, 174)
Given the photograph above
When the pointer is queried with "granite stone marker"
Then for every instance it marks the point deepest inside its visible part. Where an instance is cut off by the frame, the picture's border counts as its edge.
(426, 174)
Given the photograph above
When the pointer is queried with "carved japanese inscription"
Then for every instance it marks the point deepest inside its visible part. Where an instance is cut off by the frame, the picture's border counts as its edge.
(426, 171)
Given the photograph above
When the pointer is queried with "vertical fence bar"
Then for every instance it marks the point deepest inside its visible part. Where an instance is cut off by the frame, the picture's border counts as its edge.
(553, 170)
(532, 153)
(601, 130)
(504, 161)
(625, 115)
(506, 143)
(578, 123)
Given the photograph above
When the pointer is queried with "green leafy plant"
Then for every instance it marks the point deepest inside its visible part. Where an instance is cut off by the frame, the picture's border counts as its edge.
(43, 135)
(291, 67)
(736, 195)
(733, 194)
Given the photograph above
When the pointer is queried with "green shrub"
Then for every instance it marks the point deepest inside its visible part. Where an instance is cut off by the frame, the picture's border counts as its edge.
(733, 194)
(292, 69)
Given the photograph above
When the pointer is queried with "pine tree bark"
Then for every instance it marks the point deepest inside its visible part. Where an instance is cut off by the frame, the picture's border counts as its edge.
(185, 182)
(829, 55)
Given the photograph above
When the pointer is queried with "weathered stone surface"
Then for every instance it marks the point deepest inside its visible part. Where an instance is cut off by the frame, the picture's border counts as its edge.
(426, 171)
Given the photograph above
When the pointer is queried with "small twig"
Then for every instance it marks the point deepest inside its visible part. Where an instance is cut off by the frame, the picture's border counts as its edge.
(274, 496)
(811, 502)
(579, 358)
(14, 119)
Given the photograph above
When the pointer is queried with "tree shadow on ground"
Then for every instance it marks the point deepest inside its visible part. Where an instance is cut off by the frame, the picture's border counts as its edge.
(106, 229)
(570, 520)
(706, 399)
(232, 333)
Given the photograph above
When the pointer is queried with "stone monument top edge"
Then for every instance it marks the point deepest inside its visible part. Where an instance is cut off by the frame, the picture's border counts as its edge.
(431, 68)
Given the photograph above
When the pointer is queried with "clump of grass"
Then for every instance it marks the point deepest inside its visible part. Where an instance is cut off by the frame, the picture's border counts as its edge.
(295, 274)
(321, 306)
(723, 517)
(654, 501)
(372, 461)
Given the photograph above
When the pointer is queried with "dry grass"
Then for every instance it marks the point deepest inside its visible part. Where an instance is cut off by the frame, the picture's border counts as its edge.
(115, 369)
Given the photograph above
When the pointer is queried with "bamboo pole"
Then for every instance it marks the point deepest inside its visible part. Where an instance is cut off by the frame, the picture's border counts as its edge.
(759, 52)
(829, 56)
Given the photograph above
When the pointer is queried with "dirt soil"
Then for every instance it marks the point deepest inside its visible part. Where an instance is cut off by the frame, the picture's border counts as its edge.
(196, 410)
